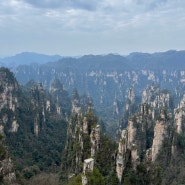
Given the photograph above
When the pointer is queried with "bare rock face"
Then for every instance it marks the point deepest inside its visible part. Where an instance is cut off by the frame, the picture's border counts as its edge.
(134, 156)
(160, 132)
(39, 104)
(87, 168)
(131, 132)
(85, 125)
(36, 125)
(120, 166)
(48, 105)
(95, 140)
(126, 147)
(121, 156)
(179, 113)
(15, 126)
(8, 99)
(178, 120)
(122, 147)
(88, 165)
(130, 98)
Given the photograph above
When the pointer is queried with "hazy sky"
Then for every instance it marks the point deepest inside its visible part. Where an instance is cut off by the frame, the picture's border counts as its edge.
(77, 27)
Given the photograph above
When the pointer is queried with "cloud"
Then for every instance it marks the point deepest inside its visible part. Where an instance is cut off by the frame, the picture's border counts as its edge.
(124, 23)
(93, 15)
(56, 4)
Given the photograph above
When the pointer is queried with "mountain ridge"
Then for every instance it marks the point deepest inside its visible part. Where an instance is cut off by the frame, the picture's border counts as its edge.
(28, 58)
(107, 78)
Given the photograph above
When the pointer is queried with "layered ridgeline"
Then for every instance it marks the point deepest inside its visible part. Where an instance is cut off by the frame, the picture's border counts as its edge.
(108, 78)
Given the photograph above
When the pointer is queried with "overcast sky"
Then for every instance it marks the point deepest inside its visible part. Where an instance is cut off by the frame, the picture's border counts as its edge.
(77, 27)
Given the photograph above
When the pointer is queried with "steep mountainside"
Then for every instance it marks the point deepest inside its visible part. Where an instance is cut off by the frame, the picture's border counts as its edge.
(87, 149)
(8, 121)
(151, 146)
(33, 122)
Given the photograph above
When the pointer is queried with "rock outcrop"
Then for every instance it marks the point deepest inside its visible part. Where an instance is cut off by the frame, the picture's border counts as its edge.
(39, 105)
(87, 168)
(83, 134)
(131, 132)
(95, 140)
(179, 113)
(160, 132)
(146, 130)
(121, 156)
(130, 99)
(9, 89)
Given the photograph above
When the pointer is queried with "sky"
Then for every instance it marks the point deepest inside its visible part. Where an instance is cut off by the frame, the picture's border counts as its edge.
(79, 27)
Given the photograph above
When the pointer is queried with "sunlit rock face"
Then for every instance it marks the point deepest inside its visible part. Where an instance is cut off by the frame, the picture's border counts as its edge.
(179, 116)
(131, 132)
(159, 134)
(95, 140)
(8, 100)
(88, 167)
(120, 160)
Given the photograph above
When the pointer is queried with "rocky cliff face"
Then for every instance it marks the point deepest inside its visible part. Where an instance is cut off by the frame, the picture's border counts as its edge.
(179, 113)
(160, 132)
(87, 168)
(38, 103)
(95, 140)
(8, 100)
(146, 131)
(121, 156)
(131, 132)
(43, 101)
(26, 112)
(83, 134)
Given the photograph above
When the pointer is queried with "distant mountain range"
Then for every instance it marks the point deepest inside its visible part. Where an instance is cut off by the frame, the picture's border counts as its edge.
(27, 58)
(105, 78)
(170, 59)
